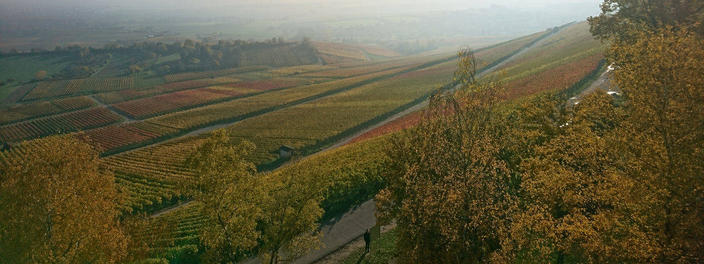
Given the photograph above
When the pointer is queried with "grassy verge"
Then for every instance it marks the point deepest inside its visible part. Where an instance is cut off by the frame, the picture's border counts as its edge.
(383, 250)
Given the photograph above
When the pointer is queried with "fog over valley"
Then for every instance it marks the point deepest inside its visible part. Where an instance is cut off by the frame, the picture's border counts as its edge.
(403, 25)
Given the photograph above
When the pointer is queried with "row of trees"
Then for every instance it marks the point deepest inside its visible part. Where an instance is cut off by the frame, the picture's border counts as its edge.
(606, 181)
(193, 56)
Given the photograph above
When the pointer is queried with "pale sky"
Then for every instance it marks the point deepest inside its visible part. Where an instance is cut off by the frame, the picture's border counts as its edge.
(179, 4)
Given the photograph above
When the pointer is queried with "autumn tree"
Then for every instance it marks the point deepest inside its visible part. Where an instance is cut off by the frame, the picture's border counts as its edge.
(572, 202)
(290, 222)
(663, 136)
(449, 188)
(622, 184)
(230, 196)
(58, 206)
(619, 18)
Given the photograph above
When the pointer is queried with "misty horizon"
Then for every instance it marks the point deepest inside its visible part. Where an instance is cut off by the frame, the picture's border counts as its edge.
(387, 23)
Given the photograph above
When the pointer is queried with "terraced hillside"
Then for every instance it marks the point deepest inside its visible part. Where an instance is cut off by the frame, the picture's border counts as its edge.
(152, 124)
(308, 126)
(556, 63)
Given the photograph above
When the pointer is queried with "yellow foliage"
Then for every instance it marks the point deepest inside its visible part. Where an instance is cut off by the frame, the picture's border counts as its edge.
(57, 206)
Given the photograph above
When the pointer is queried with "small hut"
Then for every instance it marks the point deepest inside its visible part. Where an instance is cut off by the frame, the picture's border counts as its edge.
(286, 152)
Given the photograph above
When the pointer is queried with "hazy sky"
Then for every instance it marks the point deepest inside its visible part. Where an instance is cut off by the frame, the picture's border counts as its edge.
(415, 5)
(334, 20)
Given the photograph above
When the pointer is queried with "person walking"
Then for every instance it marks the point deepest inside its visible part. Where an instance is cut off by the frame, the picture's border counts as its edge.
(367, 241)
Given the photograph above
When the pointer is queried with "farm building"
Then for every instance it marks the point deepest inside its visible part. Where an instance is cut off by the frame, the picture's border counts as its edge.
(286, 152)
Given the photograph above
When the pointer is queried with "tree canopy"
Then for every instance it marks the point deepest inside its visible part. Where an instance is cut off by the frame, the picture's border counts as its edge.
(610, 180)
(619, 18)
(58, 206)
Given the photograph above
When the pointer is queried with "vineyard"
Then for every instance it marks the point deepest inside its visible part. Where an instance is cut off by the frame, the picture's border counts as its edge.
(235, 109)
(17, 94)
(265, 85)
(131, 94)
(333, 53)
(570, 44)
(171, 102)
(318, 122)
(151, 174)
(399, 124)
(182, 227)
(379, 51)
(554, 79)
(294, 70)
(501, 50)
(210, 74)
(64, 123)
(50, 89)
(356, 70)
(352, 175)
(114, 137)
(162, 164)
(39, 109)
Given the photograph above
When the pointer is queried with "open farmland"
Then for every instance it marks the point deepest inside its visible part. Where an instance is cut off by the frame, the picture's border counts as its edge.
(64, 123)
(304, 116)
(211, 74)
(319, 122)
(343, 98)
(51, 89)
(234, 110)
(115, 137)
(333, 53)
(39, 109)
(360, 69)
(572, 43)
(131, 94)
(554, 79)
(307, 117)
(160, 104)
(151, 174)
(24, 67)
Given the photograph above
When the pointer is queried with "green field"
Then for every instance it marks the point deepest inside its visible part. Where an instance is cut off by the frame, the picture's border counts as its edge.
(23, 68)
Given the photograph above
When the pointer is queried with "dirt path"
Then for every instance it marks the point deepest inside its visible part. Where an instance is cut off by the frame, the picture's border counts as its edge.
(170, 209)
(126, 118)
(603, 83)
(342, 253)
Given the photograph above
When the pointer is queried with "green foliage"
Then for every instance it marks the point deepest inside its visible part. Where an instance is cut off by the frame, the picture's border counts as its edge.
(187, 254)
(23, 68)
